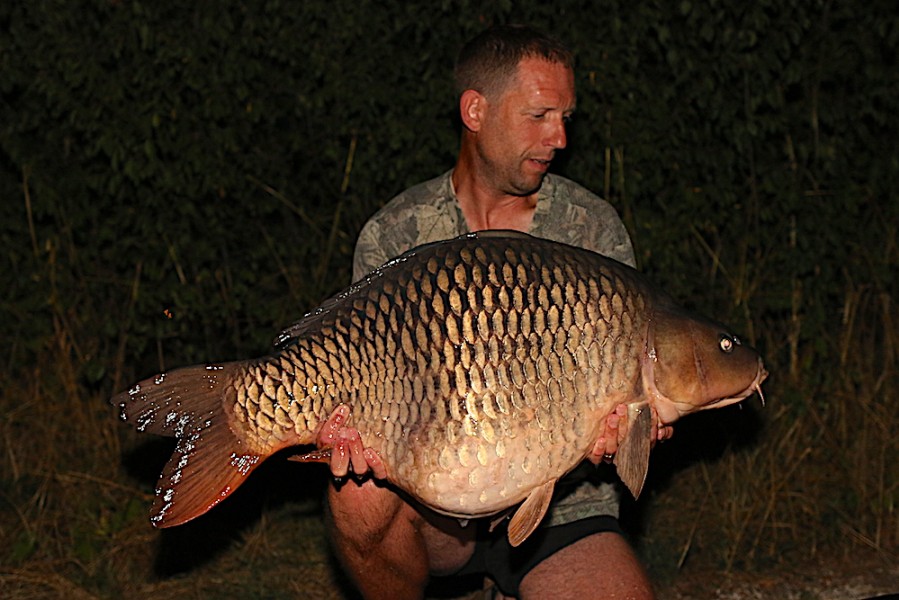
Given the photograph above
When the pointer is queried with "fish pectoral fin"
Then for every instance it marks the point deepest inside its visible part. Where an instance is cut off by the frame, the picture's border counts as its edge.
(632, 458)
(320, 456)
(530, 513)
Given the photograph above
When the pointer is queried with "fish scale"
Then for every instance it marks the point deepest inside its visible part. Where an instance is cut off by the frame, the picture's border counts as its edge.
(480, 369)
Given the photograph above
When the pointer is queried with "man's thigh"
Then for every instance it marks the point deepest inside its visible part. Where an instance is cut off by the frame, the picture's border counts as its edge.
(601, 565)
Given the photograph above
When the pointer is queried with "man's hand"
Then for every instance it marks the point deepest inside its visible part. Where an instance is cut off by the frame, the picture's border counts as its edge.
(346, 448)
(615, 431)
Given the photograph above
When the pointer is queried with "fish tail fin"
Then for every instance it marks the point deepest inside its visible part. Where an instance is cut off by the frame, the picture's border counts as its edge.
(209, 461)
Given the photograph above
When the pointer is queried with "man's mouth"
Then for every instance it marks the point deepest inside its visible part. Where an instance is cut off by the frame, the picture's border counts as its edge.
(541, 163)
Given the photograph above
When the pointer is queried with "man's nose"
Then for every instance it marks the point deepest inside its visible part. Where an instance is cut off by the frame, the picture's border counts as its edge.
(556, 137)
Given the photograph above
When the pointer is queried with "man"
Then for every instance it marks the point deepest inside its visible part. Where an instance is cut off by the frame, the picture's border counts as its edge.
(516, 93)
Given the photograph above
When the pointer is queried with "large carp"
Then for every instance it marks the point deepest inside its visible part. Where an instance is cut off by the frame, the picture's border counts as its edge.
(481, 369)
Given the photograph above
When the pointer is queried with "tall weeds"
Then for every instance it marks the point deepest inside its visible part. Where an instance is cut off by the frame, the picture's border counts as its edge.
(820, 477)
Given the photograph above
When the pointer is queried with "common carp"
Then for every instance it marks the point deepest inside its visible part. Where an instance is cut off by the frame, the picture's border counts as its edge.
(481, 369)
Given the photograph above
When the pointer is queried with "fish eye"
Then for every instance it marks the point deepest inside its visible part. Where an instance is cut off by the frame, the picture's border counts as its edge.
(727, 343)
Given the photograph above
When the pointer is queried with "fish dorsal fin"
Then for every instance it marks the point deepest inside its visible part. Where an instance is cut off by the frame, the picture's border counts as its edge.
(632, 458)
(530, 513)
(312, 321)
(209, 461)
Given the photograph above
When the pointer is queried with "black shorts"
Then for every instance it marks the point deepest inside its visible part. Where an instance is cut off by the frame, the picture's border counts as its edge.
(507, 566)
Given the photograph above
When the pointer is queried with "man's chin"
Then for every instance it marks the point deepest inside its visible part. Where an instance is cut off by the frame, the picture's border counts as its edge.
(525, 186)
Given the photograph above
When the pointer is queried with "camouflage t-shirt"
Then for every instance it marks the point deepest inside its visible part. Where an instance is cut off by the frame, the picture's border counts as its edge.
(429, 212)
(566, 212)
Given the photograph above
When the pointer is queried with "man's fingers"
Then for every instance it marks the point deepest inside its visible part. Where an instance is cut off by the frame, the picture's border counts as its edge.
(340, 459)
(373, 459)
(665, 432)
(347, 450)
(354, 445)
(603, 451)
(327, 433)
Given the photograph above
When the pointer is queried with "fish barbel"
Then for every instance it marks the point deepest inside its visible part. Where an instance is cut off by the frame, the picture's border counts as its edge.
(481, 369)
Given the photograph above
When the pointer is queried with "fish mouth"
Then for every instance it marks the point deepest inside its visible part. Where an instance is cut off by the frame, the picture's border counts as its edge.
(753, 388)
(670, 411)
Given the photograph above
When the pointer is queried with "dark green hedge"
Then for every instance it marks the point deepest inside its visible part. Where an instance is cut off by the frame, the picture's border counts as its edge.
(181, 179)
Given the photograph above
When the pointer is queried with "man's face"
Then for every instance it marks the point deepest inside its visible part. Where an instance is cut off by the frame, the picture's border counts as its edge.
(524, 127)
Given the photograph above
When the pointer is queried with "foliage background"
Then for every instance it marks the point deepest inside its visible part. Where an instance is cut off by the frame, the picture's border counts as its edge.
(178, 181)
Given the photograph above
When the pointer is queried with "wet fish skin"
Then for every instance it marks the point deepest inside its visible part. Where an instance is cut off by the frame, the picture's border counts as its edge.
(481, 369)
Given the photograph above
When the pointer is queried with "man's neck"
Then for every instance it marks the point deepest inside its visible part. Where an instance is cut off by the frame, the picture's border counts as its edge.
(487, 208)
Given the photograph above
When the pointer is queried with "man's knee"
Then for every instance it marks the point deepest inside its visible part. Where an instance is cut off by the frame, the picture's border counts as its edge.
(371, 520)
(376, 537)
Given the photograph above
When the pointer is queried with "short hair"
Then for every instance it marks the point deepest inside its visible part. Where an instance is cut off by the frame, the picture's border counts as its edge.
(488, 62)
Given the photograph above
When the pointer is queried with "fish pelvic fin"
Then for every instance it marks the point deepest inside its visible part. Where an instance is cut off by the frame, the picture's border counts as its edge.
(530, 513)
(632, 457)
(209, 461)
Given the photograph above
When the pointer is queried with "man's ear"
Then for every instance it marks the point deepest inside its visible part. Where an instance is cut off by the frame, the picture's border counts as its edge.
(472, 107)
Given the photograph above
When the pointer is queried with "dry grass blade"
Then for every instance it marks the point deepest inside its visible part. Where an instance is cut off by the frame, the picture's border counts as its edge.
(40, 585)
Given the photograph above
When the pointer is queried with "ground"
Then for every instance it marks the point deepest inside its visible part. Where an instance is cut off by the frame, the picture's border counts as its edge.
(869, 575)
(269, 541)
(282, 552)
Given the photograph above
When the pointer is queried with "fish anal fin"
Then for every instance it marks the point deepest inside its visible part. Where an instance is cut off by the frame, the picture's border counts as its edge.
(322, 455)
(530, 513)
(632, 457)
